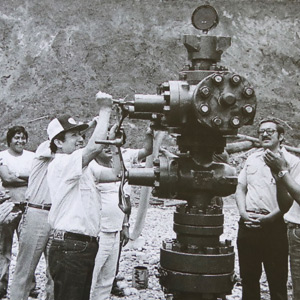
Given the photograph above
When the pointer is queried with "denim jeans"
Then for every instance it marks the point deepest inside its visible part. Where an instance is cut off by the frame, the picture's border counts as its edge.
(71, 264)
(294, 250)
(105, 265)
(6, 241)
(267, 246)
(33, 238)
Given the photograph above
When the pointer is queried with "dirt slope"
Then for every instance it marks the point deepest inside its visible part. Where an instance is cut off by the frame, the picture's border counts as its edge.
(55, 55)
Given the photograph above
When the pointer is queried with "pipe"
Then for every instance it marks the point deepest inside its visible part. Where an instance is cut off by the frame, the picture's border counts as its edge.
(145, 190)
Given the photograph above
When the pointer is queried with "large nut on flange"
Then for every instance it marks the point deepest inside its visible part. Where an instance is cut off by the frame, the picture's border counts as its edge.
(225, 102)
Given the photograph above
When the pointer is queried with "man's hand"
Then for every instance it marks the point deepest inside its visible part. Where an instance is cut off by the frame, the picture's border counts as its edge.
(251, 220)
(94, 122)
(5, 212)
(112, 132)
(4, 195)
(125, 235)
(150, 131)
(104, 100)
(275, 161)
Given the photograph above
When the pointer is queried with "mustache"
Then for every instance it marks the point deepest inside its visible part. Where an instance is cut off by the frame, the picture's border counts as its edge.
(266, 138)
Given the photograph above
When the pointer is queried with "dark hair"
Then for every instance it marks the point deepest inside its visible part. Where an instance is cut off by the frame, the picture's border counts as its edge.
(279, 126)
(13, 131)
(61, 136)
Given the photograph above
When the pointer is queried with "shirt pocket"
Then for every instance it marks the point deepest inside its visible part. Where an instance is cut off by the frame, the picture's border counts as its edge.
(252, 172)
(86, 193)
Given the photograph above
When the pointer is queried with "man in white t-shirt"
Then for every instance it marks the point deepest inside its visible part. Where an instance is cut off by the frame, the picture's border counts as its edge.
(14, 172)
(113, 221)
(75, 214)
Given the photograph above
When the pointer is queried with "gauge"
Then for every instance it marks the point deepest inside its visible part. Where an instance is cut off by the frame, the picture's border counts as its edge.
(205, 17)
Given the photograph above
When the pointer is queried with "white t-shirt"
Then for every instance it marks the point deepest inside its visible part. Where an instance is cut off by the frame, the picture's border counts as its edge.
(76, 204)
(18, 165)
(112, 216)
(293, 215)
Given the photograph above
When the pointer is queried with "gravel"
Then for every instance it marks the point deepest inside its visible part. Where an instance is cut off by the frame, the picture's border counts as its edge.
(145, 252)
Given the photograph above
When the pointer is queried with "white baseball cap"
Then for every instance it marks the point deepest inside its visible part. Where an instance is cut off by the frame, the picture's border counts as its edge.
(62, 124)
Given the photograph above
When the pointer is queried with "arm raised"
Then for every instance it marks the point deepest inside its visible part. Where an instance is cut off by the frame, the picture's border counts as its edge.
(92, 149)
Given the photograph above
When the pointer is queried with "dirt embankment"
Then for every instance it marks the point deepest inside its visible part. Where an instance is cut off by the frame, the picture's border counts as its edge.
(55, 55)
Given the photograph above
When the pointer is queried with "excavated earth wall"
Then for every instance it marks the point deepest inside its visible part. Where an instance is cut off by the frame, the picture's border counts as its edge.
(56, 55)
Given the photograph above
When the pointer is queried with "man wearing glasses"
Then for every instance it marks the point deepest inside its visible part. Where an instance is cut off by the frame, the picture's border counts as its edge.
(262, 235)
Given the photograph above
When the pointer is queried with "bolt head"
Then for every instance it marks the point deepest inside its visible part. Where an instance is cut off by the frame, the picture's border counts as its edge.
(235, 121)
(204, 92)
(217, 121)
(204, 109)
(235, 79)
(218, 79)
(248, 109)
(248, 92)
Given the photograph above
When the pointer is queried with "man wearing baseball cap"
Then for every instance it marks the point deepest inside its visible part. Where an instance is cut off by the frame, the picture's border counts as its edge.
(75, 213)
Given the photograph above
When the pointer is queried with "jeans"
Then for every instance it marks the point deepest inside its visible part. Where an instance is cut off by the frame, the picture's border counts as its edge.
(33, 238)
(267, 246)
(6, 241)
(71, 264)
(105, 265)
(294, 250)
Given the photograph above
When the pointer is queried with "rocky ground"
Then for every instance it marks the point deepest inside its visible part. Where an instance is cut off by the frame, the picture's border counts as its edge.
(145, 252)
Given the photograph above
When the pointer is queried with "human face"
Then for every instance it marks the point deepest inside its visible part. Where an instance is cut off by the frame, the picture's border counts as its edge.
(18, 143)
(105, 156)
(269, 140)
(73, 141)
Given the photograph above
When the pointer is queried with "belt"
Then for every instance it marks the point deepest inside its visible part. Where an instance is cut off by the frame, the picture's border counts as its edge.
(39, 206)
(67, 235)
(258, 211)
(292, 225)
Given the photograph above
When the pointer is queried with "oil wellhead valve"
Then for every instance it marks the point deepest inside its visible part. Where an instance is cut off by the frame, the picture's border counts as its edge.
(206, 104)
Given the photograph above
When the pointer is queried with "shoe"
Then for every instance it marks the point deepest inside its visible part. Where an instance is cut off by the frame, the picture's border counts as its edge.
(34, 293)
(119, 278)
(3, 293)
(116, 291)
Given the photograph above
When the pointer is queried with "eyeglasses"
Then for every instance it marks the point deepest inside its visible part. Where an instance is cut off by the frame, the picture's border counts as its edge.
(268, 131)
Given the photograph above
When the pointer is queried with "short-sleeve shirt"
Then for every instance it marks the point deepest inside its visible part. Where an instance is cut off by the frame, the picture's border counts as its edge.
(293, 215)
(38, 191)
(17, 165)
(76, 205)
(112, 216)
(261, 186)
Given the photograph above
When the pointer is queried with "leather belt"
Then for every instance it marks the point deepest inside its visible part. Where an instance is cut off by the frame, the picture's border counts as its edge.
(292, 225)
(39, 206)
(62, 235)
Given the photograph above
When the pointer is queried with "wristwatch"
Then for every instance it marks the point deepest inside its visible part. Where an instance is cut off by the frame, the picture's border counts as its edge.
(282, 173)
